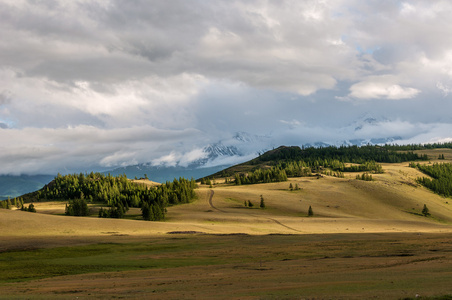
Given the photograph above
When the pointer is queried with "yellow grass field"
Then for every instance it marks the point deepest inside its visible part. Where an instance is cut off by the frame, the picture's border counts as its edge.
(365, 240)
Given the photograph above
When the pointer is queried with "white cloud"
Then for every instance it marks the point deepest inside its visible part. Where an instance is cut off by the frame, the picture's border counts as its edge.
(382, 88)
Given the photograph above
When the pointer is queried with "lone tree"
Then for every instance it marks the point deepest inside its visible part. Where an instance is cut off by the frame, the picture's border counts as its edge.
(310, 212)
(31, 208)
(425, 211)
(250, 204)
(262, 205)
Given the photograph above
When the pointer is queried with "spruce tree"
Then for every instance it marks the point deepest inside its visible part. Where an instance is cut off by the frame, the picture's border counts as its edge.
(425, 211)
(31, 208)
(262, 205)
(145, 211)
(310, 212)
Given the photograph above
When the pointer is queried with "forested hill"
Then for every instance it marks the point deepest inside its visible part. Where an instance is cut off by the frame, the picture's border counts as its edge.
(117, 193)
(331, 156)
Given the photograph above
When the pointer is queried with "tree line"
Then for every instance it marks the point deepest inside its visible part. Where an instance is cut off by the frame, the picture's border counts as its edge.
(344, 154)
(441, 181)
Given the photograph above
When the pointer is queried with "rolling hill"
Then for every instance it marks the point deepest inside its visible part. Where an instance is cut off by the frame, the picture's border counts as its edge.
(372, 233)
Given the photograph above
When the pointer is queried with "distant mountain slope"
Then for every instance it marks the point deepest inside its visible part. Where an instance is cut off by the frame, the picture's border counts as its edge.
(13, 186)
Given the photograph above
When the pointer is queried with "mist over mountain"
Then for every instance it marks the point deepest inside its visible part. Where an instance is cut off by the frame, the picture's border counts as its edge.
(243, 146)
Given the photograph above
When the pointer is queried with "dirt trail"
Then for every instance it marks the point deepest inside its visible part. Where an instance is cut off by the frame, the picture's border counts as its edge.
(276, 221)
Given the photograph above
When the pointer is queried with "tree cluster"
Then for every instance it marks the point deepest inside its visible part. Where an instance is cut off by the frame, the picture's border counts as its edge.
(30, 208)
(116, 192)
(274, 174)
(7, 204)
(364, 176)
(441, 177)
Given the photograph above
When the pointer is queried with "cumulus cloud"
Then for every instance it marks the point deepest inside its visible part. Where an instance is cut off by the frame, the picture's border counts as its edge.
(381, 88)
(99, 84)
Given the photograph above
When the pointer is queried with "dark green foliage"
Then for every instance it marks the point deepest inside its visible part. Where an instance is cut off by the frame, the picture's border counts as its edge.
(118, 193)
(262, 204)
(152, 212)
(31, 208)
(364, 176)
(113, 212)
(290, 187)
(350, 154)
(310, 211)
(274, 174)
(425, 211)
(245, 203)
(77, 207)
(250, 204)
(441, 182)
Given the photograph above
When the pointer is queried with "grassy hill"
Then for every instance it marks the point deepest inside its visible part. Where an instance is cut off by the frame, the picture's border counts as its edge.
(372, 233)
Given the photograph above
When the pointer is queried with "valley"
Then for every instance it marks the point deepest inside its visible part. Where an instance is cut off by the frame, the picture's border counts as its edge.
(372, 233)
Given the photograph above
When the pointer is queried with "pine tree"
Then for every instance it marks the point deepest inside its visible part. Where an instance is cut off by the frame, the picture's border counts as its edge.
(425, 211)
(290, 187)
(262, 205)
(250, 204)
(145, 212)
(310, 212)
(31, 208)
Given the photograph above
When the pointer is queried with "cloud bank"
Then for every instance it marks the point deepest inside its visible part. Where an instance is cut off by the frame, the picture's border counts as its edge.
(97, 84)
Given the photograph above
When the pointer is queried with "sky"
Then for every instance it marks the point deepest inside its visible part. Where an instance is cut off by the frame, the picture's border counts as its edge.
(97, 84)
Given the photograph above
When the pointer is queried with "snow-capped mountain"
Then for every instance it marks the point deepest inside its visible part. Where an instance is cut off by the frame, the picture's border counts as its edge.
(240, 147)
(243, 146)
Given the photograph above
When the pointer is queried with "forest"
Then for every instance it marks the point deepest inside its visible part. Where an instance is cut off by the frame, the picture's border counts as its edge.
(441, 177)
(345, 154)
(116, 192)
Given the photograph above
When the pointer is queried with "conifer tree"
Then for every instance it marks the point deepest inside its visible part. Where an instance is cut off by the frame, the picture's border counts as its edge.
(262, 205)
(31, 208)
(310, 212)
(425, 211)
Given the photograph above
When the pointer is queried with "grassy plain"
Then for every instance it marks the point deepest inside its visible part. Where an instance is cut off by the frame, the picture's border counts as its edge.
(366, 240)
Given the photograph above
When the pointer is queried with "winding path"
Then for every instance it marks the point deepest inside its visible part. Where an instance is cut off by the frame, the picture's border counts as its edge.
(276, 221)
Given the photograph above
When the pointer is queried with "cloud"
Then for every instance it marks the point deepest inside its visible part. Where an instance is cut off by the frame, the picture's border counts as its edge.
(381, 88)
(80, 148)
(97, 84)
